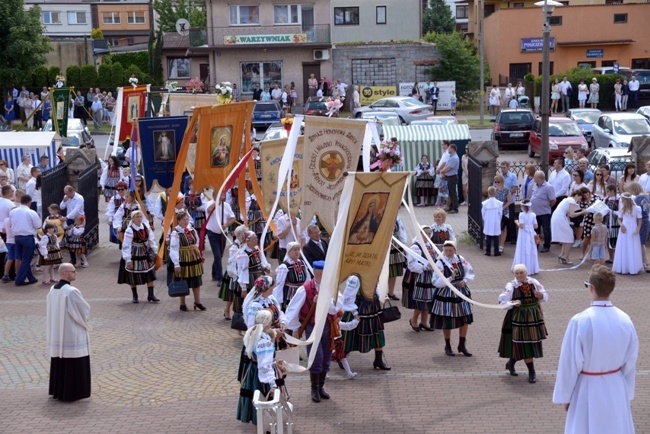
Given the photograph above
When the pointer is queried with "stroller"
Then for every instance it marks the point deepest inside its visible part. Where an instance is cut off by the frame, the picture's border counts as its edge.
(4, 124)
(523, 101)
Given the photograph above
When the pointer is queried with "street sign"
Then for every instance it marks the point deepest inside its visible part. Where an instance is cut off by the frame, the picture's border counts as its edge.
(596, 53)
(534, 45)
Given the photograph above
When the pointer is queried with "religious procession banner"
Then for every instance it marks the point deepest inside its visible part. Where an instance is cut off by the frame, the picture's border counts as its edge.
(332, 147)
(271, 155)
(60, 109)
(160, 142)
(181, 104)
(133, 106)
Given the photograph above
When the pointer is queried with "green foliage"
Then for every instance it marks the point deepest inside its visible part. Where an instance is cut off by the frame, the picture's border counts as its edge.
(39, 77)
(22, 44)
(73, 76)
(437, 18)
(138, 58)
(52, 73)
(458, 62)
(170, 11)
(529, 77)
(96, 34)
(104, 76)
(143, 77)
(88, 76)
(117, 75)
(574, 75)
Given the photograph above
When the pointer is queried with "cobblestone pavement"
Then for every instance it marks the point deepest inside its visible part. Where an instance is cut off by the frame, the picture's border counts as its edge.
(159, 370)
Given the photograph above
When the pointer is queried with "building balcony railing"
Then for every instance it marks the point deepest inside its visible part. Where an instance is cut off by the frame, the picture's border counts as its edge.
(237, 36)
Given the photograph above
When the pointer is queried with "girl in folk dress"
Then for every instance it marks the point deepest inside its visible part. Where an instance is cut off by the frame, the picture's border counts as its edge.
(396, 259)
(50, 253)
(424, 180)
(122, 216)
(195, 205)
(111, 175)
(523, 326)
(290, 275)
(423, 291)
(75, 241)
(186, 261)
(113, 205)
(229, 286)
(440, 230)
(57, 220)
(349, 305)
(145, 200)
(408, 282)
(250, 266)
(138, 257)
(628, 258)
(526, 250)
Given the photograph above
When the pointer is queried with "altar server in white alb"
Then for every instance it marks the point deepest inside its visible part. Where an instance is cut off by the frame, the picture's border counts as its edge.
(491, 211)
(596, 372)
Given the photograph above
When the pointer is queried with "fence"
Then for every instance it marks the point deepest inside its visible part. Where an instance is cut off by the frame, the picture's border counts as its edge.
(52, 183)
(88, 189)
(475, 197)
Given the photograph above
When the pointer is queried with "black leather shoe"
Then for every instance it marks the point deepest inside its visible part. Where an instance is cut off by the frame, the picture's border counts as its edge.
(449, 351)
(393, 297)
(532, 378)
(544, 250)
(510, 366)
(183, 307)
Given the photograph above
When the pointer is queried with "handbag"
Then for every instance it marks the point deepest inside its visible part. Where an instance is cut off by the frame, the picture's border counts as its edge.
(391, 313)
(178, 288)
(537, 239)
(238, 322)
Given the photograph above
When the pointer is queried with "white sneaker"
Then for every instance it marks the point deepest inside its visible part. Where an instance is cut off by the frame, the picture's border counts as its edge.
(351, 375)
(463, 204)
(577, 243)
(84, 265)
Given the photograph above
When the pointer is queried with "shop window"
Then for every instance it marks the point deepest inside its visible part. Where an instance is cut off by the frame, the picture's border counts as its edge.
(262, 73)
(77, 18)
(346, 16)
(641, 63)
(178, 67)
(51, 17)
(609, 63)
(620, 18)
(555, 21)
(462, 12)
(135, 17)
(111, 18)
(541, 65)
(244, 15)
(286, 14)
(519, 70)
(381, 15)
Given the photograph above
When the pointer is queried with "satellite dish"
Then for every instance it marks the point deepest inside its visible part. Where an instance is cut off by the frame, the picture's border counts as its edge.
(183, 27)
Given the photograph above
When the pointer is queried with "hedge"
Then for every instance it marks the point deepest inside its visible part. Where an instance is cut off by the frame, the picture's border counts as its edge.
(137, 58)
(39, 77)
(73, 76)
(88, 77)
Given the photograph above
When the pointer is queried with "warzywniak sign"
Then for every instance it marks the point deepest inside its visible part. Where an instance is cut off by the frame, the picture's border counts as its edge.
(296, 38)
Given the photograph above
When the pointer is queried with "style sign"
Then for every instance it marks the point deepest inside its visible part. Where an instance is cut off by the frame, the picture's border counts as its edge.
(370, 94)
(596, 53)
(297, 38)
(534, 45)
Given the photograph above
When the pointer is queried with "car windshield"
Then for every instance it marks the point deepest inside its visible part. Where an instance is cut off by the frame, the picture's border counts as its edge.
(564, 129)
(266, 107)
(317, 105)
(586, 117)
(273, 134)
(72, 141)
(412, 102)
(643, 76)
(631, 126)
(391, 120)
(516, 118)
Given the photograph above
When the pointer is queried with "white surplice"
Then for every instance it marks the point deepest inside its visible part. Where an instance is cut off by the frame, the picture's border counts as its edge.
(491, 211)
(600, 339)
(68, 317)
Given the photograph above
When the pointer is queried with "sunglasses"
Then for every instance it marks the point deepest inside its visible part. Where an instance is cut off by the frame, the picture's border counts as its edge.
(599, 174)
(120, 189)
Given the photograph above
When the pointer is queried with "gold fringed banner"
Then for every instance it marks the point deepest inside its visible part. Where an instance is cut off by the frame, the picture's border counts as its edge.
(332, 146)
(271, 155)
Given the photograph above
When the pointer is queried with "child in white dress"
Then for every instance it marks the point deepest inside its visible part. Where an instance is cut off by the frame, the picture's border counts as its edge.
(526, 250)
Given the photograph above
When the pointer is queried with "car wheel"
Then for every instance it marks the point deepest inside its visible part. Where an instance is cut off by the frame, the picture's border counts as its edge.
(531, 154)
(401, 119)
(358, 115)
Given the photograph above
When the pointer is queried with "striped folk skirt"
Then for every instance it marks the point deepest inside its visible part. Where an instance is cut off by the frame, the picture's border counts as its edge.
(369, 334)
(408, 285)
(53, 257)
(191, 266)
(424, 291)
(75, 244)
(396, 263)
(424, 185)
(249, 384)
(450, 311)
(225, 292)
(522, 333)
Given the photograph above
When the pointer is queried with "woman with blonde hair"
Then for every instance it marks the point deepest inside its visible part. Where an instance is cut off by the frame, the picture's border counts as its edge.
(569, 159)
(504, 196)
(628, 257)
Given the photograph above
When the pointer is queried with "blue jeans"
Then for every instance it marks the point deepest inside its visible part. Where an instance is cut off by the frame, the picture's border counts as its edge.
(215, 241)
(25, 251)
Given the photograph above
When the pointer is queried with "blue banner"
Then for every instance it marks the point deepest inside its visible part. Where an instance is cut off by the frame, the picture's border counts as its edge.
(160, 142)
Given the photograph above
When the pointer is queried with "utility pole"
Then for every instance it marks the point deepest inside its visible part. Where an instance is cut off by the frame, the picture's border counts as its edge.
(481, 51)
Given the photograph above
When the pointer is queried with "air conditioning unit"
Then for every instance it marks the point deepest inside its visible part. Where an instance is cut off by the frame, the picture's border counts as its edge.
(321, 54)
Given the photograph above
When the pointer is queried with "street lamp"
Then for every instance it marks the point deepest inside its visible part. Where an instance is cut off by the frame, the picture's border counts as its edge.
(548, 6)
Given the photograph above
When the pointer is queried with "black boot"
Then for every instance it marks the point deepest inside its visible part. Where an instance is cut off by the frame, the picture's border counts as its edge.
(321, 383)
(151, 296)
(135, 295)
(379, 362)
(448, 349)
(315, 378)
(462, 349)
(531, 372)
(510, 366)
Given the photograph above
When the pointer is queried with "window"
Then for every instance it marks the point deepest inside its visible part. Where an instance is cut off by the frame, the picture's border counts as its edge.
(555, 21)
(51, 17)
(541, 65)
(113, 42)
(620, 18)
(286, 14)
(262, 73)
(613, 2)
(641, 63)
(135, 17)
(609, 63)
(178, 67)
(244, 15)
(346, 16)
(76, 18)
(462, 12)
(518, 5)
(381, 15)
(111, 17)
(584, 64)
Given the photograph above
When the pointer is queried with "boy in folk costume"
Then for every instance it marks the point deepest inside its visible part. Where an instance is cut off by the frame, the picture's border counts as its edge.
(349, 305)
(75, 241)
(50, 253)
(491, 211)
(597, 367)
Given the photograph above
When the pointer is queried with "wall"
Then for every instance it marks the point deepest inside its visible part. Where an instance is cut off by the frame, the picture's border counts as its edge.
(403, 21)
(123, 9)
(221, 11)
(66, 29)
(69, 52)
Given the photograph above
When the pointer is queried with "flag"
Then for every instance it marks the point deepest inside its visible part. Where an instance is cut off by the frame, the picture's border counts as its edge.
(182, 103)
(271, 155)
(133, 107)
(60, 110)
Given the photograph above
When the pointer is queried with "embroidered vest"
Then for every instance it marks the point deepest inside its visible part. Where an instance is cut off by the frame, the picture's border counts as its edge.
(311, 292)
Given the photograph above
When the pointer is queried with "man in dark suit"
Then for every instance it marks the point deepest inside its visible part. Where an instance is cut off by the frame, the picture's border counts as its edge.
(435, 93)
(257, 93)
(316, 248)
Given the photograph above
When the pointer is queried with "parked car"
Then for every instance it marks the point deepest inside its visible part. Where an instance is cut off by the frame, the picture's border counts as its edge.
(644, 111)
(616, 158)
(616, 130)
(277, 131)
(437, 120)
(266, 113)
(627, 72)
(562, 134)
(316, 106)
(407, 108)
(586, 118)
(74, 126)
(643, 75)
(382, 119)
(512, 127)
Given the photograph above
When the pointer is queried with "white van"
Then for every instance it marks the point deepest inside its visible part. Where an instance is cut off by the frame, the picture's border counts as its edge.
(610, 70)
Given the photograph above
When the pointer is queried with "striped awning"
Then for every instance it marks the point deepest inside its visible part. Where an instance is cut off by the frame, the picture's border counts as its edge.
(417, 140)
(13, 145)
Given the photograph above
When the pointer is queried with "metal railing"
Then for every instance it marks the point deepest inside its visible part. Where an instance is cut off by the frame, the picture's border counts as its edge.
(259, 35)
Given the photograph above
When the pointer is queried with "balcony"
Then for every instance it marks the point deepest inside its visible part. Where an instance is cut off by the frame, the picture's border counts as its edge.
(256, 36)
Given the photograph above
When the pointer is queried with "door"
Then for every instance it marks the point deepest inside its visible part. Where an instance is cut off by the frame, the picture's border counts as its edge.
(518, 71)
(307, 70)
(204, 72)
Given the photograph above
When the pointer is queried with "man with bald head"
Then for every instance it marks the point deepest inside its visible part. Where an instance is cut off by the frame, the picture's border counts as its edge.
(542, 201)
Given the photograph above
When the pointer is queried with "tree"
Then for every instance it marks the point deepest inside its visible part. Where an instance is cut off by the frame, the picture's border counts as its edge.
(117, 75)
(22, 44)
(104, 76)
(170, 11)
(52, 73)
(437, 18)
(73, 76)
(39, 77)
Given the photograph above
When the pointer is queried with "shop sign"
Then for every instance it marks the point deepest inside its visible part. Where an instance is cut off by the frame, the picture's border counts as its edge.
(596, 53)
(533, 45)
(297, 38)
(370, 94)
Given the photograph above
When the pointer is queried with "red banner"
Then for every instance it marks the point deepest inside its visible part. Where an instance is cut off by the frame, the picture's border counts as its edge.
(133, 107)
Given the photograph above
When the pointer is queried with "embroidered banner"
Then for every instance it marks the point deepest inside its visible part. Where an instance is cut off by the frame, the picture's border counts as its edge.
(60, 109)
(160, 141)
(133, 107)
(272, 152)
(181, 104)
(332, 147)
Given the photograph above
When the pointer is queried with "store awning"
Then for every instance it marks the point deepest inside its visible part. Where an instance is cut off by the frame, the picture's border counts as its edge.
(15, 144)
(588, 43)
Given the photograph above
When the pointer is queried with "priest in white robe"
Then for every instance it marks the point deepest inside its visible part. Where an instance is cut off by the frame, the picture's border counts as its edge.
(68, 317)
(596, 373)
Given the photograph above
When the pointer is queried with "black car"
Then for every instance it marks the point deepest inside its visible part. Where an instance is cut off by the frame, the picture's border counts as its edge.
(512, 127)
(643, 76)
(316, 106)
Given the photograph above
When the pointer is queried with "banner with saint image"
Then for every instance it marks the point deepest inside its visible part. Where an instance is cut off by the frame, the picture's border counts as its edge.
(271, 155)
(60, 109)
(133, 107)
(160, 141)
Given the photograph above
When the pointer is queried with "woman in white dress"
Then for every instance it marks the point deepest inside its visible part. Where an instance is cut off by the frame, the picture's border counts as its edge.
(583, 91)
(495, 100)
(561, 227)
(526, 250)
(628, 258)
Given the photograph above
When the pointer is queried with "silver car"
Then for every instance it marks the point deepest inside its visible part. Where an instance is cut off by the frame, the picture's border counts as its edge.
(407, 108)
(616, 158)
(616, 130)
